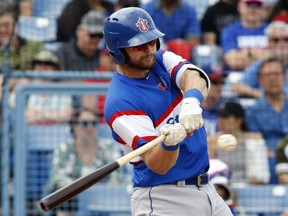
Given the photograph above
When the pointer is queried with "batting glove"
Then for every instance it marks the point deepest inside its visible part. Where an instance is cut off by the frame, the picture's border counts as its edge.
(175, 133)
(191, 114)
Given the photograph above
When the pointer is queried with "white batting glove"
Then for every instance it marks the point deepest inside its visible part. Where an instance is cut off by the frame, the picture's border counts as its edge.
(175, 133)
(191, 114)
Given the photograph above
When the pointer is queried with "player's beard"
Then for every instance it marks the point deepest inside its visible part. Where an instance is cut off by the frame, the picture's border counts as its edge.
(144, 63)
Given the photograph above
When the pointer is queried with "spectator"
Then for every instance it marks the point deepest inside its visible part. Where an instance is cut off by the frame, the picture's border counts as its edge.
(279, 12)
(220, 175)
(216, 17)
(74, 11)
(83, 53)
(176, 18)
(127, 3)
(46, 109)
(90, 101)
(212, 103)
(282, 161)
(81, 154)
(20, 50)
(243, 158)
(277, 33)
(26, 8)
(244, 41)
(269, 114)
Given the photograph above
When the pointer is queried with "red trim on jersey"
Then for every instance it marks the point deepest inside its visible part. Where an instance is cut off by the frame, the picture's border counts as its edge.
(174, 71)
(168, 111)
(125, 112)
(137, 138)
(134, 142)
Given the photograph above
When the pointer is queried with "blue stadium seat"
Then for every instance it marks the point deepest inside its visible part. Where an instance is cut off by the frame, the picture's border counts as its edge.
(48, 8)
(46, 137)
(41, 142)
(39, 165)
(37, 28)
(262, 200)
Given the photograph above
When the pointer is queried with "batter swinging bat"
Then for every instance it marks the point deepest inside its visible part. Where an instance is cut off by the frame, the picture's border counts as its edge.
(67, 192)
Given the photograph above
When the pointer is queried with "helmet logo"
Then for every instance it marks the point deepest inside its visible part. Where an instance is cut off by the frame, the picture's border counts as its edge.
(142, 24)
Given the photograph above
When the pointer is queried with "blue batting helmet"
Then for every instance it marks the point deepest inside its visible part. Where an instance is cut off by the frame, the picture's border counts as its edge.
(128, 27)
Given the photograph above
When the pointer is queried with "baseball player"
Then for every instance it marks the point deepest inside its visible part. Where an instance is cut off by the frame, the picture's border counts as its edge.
(157, 92)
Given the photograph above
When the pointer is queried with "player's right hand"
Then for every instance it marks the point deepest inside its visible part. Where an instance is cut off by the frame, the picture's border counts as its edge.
(175, 133)
(191, 115)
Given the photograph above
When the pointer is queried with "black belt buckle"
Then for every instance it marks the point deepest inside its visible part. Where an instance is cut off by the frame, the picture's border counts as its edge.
(202, 179)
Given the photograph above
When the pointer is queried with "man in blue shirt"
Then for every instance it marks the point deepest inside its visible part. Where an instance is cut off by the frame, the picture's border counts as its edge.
(244, 41)
(155, 92)
(269, 115)
(176, 19)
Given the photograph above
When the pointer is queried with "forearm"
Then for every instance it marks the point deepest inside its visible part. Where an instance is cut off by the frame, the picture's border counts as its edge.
(160, 160)
(238, 59)
(245, 90)
(193, 79)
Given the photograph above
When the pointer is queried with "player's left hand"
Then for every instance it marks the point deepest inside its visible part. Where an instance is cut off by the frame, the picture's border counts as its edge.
(191, 115)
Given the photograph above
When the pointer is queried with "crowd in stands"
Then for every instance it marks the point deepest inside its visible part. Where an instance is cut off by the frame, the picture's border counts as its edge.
(252, 36)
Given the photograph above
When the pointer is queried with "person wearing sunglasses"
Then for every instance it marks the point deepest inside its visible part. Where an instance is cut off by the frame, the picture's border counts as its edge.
(277, 34)
(81, 154)
(83, 52)
(153, 92)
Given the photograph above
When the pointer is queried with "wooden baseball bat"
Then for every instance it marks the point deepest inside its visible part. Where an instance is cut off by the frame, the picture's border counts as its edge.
(67, 192)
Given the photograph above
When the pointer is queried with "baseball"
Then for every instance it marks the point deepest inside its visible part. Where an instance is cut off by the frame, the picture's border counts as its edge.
(227, 142)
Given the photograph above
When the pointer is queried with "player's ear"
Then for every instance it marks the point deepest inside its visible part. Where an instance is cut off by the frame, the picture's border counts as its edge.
(158, 44)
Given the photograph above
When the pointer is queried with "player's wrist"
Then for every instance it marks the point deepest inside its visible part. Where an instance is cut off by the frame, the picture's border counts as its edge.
(193, 95)
(170, 148)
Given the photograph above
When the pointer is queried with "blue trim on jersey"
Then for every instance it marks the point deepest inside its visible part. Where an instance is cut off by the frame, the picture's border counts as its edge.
(127, 95)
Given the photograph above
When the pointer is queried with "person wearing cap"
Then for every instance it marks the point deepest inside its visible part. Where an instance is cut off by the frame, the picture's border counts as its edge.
(220, 176)
(72, 13)
(82, 54)
(211, 105)
(45, 61)
(155, 92)
(241, 160)
(244, 41)
(216, 17)
(46, 109)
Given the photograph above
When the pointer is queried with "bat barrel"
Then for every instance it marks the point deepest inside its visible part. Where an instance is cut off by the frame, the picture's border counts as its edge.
(69, 191)
(44, 206)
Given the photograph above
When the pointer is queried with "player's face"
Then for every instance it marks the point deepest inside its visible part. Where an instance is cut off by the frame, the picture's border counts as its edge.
(142, 57)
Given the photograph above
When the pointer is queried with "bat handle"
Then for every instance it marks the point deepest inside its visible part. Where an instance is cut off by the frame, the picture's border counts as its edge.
(125, 159)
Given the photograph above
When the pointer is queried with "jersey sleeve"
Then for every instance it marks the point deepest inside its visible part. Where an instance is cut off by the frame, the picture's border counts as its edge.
(176, 65)
(130, 123)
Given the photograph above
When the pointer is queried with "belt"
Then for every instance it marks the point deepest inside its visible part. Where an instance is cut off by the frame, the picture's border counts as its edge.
(199, 181)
